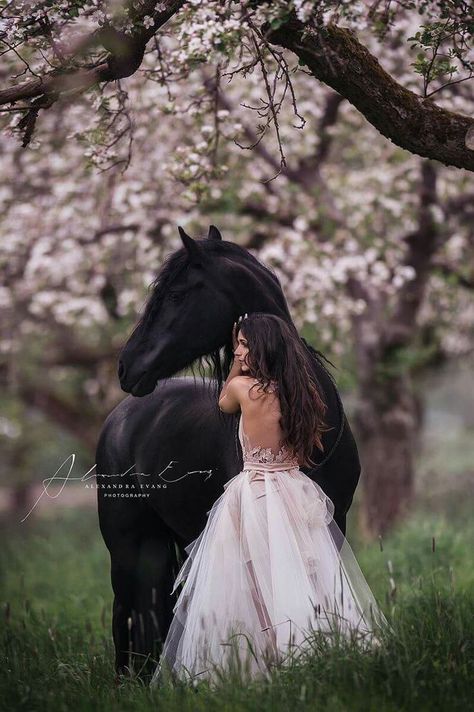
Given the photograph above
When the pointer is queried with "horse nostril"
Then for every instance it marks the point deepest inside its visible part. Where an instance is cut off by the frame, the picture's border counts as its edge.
(121, 369)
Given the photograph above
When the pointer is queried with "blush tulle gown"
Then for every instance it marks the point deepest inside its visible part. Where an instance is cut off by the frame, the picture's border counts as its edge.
(270, 567)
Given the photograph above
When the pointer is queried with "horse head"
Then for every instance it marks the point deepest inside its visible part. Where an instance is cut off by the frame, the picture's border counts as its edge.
(200, 291)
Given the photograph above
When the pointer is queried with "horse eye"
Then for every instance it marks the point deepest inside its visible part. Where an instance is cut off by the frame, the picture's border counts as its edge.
(176, 296)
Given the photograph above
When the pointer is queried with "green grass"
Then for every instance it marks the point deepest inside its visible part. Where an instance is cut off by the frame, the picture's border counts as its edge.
(58, 654)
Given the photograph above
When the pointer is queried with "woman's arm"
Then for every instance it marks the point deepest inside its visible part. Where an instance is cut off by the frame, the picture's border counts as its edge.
(229, 398)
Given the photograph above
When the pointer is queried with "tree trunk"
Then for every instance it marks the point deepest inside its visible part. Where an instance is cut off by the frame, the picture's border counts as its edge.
(387, 419)
(21, 499)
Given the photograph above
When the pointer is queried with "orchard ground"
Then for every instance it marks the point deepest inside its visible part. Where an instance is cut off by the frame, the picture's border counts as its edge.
(58, 652)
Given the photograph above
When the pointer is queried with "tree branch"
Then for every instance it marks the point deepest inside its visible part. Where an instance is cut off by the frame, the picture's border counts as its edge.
(335, 56)
(125, 56)
(448, 271)
(307, 174)
(81, 357)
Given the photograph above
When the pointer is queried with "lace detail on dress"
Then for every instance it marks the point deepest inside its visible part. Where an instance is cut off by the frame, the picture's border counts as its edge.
(264, 455)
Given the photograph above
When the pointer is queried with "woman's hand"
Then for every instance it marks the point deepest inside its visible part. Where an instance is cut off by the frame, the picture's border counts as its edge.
(236, 368)
(234, 336)
(235, 330)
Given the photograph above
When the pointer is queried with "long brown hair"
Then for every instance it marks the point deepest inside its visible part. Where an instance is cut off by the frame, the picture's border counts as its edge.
(276, 353)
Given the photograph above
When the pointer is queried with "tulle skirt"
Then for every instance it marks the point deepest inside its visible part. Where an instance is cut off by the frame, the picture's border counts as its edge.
(270, 567)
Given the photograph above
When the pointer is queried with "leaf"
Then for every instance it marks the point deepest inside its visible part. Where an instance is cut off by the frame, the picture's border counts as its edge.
(276, 23)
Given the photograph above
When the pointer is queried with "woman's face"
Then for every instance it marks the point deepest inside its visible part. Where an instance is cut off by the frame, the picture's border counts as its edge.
(242, 351)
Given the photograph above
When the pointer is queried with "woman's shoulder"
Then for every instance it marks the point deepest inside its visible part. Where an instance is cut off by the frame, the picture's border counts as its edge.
(246, 383)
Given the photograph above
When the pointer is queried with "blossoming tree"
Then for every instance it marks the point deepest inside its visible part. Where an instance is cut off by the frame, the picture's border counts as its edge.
(218, 121)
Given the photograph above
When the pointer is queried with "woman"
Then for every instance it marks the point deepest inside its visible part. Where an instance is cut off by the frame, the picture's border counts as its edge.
(271, 565)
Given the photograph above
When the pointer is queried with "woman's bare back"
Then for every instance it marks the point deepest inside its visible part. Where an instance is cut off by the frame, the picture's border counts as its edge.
(261, 414)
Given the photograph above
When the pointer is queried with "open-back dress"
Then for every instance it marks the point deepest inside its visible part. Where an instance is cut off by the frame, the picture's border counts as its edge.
(270, 567)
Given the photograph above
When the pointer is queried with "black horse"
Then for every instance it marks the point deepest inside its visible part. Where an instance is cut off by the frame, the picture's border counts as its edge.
(166, 450)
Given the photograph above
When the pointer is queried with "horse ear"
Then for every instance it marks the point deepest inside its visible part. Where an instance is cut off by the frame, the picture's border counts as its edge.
(214, 233)
(191, 246)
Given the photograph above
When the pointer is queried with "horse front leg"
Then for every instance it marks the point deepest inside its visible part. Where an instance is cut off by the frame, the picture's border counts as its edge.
(157, 567)
(123, 564)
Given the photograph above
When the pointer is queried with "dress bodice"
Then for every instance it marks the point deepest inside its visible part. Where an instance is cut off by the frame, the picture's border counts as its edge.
(264, 458)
